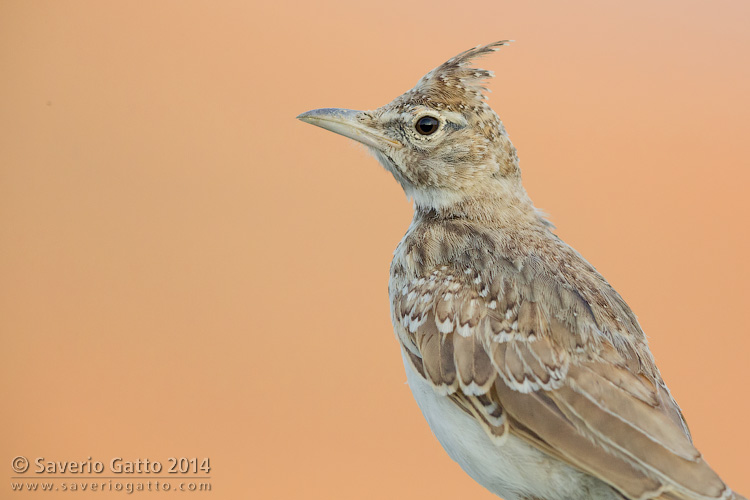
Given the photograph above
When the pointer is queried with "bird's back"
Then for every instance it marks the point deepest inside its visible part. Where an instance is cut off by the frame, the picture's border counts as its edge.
(516, 332)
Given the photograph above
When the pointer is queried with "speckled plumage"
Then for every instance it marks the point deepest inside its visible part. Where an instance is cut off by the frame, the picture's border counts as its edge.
(529, 367)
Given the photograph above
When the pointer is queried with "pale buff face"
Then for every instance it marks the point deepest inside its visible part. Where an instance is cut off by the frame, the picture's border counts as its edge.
(452, 158)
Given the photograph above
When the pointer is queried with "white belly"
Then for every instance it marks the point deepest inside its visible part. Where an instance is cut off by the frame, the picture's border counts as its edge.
(514, 470)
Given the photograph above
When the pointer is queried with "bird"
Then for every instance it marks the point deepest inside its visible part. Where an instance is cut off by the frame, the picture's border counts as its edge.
(530, 369)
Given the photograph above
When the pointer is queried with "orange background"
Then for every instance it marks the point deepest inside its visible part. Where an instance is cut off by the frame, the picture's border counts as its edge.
(186, 270)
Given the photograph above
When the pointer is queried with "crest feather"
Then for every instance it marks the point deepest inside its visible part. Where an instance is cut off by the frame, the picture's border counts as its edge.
(455, 85)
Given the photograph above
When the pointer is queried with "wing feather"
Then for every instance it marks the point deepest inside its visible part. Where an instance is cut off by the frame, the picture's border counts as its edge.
(512, 359)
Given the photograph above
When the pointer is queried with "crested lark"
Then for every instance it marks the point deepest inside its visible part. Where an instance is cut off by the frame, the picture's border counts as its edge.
(530, 369)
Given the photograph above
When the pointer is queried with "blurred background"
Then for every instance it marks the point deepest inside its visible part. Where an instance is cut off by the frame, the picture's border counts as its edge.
(186, 270)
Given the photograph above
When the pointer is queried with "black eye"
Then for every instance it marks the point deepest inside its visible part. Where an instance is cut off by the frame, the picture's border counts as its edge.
(427, 125)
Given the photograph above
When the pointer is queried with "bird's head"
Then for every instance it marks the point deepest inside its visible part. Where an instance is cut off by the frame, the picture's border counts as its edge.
(440, 140)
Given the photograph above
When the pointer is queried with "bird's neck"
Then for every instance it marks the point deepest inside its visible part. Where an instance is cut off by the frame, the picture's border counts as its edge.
(498, 204)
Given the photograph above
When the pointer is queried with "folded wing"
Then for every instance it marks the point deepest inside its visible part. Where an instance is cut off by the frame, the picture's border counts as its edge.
(507, 350)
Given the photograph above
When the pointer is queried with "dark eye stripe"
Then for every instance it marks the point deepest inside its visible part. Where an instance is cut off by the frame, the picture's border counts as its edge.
(427, 125)
(453, 126)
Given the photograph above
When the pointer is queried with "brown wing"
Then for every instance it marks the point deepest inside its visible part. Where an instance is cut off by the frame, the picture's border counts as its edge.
(510, 354)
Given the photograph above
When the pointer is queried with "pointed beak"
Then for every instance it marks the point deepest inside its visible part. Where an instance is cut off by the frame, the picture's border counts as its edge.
(349, 123)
